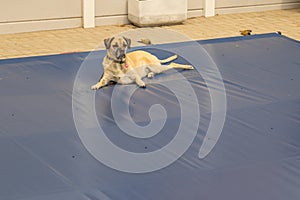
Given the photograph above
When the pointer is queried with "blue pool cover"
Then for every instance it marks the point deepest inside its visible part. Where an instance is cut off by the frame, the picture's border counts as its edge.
(255, 156)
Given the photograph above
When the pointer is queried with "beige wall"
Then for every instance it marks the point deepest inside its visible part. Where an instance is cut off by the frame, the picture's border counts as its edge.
(116, 12)
(234, 6)
(119, 7)
(116, 7)
(34, 15)
(195, 8)
(239, 3)
(25, 10)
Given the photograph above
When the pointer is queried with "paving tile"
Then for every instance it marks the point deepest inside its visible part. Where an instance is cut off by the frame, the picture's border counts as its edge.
(79, 39)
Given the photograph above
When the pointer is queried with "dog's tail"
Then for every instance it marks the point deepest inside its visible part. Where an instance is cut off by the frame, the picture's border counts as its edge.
(168, 59)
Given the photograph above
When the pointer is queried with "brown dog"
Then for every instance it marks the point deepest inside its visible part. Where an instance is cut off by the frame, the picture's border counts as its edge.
(132, 67)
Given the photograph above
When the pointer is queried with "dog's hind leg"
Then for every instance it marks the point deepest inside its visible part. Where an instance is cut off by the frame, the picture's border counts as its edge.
(156, 69)
(180, 66)
(161, 68)
(150, 74)
(168, 59)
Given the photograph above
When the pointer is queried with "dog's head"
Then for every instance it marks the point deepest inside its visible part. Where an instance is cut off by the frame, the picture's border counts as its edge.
(116, 47)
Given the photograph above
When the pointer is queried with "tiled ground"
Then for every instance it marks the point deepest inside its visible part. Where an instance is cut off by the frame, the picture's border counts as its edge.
(78, 39)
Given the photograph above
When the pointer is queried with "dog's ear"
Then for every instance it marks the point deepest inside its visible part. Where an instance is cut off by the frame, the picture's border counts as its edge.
(108, 41)
(128, 41)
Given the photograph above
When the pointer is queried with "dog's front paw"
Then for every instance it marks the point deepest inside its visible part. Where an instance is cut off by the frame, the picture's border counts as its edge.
(95, 87)
(142, 85)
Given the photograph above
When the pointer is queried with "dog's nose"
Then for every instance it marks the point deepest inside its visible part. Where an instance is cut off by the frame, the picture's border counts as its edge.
(120, 53)
(121, 56)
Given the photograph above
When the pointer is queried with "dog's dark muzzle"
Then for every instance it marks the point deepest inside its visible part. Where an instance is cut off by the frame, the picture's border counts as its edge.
(120, 54)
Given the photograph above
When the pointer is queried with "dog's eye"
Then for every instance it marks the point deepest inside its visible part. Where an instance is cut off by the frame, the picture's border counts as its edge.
(124, 45)
(115, 46)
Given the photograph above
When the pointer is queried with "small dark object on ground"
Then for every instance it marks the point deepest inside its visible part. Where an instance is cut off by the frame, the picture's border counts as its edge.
(245, 32)
(145, 41)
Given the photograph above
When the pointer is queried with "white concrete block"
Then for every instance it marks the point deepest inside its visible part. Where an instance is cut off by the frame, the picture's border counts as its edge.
(156, 12)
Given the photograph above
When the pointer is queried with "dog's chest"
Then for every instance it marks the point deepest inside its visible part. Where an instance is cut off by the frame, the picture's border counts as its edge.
(121, 74)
